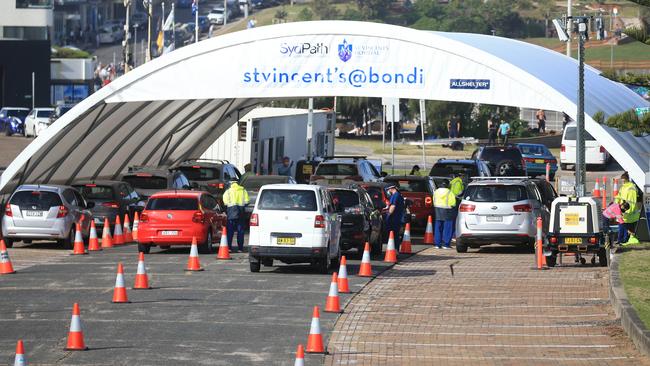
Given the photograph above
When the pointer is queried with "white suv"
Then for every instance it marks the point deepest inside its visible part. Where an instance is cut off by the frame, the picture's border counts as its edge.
(294, 223)
(595, 153)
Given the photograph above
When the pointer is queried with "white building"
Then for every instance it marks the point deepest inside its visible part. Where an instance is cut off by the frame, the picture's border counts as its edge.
(30, 20)
(265, 135)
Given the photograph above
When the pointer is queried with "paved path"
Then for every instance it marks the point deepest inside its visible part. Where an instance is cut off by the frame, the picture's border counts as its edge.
(493, 310)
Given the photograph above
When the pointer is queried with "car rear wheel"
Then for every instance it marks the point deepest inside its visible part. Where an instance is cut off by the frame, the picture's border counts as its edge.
(375, 247)
(9, 242)
(460, 246)
(255, 266)
(68, 242)
(551, 260)
(144, 248)
(206, 247)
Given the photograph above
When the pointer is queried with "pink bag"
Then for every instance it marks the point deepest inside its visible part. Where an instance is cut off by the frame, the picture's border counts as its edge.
(613, 211)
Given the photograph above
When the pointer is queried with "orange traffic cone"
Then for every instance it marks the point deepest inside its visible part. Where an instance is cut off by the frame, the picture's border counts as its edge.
(107, 241)
(193, 263)
(93, 242)
(141, 277)
(300, 356)
(119, 293)
(428, 233)
(405, 247)
(136, 223)
(333, 305)
(365, 270)
(78, 247)
(596, 192)
(118, 235)
(76, 335)
(128, 236)
(391, 254)
(315, 339)
(20, 354)
(343, 276)
(5, 262)
(224, 252)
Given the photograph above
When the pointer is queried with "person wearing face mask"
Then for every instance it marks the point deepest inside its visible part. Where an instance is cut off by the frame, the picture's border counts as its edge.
(395, 214)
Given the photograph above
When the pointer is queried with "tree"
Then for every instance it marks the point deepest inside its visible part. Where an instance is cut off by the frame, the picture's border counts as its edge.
(374, 9)
(324, 10)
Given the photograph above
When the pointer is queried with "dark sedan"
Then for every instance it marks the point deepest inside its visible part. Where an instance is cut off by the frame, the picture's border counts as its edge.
(360, 221)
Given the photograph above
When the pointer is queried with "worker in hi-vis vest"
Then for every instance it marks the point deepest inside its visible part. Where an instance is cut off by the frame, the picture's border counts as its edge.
(444, 202)
(628, 194)
(235, 198)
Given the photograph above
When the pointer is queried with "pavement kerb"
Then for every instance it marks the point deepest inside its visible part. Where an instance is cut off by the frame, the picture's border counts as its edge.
(630, 320)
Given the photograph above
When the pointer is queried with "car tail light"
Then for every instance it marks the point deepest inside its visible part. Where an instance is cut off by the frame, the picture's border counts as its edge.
(465, 207)
(91, 185)
(63, 211)
(553, 239)
(354, 177)
(143, 175)
(217, 185)
(563, 148)
(592, 240)
(197, 217)
(428, 201)
(255, 221)
(602, 149)
(529, 160)
(110, 204)
(523, 208)
(144, 217)
(319, 222)
(8, 210)
(196, 166)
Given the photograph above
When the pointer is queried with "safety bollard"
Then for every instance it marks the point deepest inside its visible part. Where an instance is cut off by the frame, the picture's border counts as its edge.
(603, 193)
(548, 172)
(539, 243)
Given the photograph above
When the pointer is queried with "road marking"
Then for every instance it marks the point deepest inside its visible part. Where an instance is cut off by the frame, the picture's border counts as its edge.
(359, 304)
(482, 325)
(489, 315)
(485, 358)
(456, 345)
(476, 334)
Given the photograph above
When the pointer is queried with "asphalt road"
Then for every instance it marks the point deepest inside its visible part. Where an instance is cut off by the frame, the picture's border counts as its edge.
(224, 315)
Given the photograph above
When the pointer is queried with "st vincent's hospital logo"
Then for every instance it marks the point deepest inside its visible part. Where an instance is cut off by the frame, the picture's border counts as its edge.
(345, 51)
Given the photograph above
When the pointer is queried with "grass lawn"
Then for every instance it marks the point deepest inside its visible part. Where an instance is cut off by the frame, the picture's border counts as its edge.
(635, 274)
(405, 149)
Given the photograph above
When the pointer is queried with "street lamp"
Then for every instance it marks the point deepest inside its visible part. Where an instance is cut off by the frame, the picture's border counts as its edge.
(583, 35)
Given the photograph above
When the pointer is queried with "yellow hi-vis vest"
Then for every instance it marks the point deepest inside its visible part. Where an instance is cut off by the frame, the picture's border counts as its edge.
(236, 195)
(628, 194)
(444, 198)
(456, 186)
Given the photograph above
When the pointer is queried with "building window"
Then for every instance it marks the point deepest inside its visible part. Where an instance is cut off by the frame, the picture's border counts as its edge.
(68, 93)
(21, 4)
(241, 128)
(26, 33)
(279, 148)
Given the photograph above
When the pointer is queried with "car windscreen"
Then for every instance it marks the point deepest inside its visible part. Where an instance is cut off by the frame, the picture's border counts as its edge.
(495, 193)
(498, 154)
(571, 133)
(337, 169)
(43, 114)
(287, 200)
(172, 203)
(35, 200)
(454, 168)
(146, 182)
(532, 149)
(344, 198)
(201, 173)
(407, 185)
(254, 183)
(95, 192)
(17, 113)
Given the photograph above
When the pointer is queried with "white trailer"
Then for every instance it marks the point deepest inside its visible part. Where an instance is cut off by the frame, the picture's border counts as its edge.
(265, 135)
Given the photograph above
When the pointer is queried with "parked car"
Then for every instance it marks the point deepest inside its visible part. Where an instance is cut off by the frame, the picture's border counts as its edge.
(294, 223)
(112, 198)
(419, 190)
(469, 167)
(377, 192)
(546, 191)
(499, 210)
(216, 15)
(253, 184)
(344, 170)
(37, 120)
(147, 180)
(536, 157)
(503, 161)
(177, 217)
(110, 34)
(209, 175)
(361, 222)
(12, 120)
(595, 154)
(59, 111)
(45, 212)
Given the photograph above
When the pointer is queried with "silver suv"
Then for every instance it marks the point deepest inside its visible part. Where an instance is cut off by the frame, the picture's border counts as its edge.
(45, 212)
(500, 211)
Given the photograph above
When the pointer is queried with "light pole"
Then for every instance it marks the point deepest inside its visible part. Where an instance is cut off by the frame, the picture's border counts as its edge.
(149, 12)
(125, 42)
(568, 27)
(135, 45)
(581, 174)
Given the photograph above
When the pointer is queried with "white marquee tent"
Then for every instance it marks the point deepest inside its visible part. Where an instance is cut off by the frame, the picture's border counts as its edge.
(174, 107)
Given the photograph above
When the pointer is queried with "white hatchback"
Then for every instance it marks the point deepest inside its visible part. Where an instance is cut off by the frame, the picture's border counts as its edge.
(37, 120)
(294, 223)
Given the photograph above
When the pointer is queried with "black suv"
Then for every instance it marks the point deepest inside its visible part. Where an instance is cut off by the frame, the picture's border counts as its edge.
(361, 222)
(210, 175)
(503, 161)
(469, 167)
(112, 198)
(148, 180)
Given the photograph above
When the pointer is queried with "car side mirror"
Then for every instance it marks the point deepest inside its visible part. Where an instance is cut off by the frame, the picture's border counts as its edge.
(90, 204)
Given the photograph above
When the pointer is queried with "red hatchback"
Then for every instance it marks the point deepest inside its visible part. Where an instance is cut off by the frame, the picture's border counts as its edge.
(175, 217)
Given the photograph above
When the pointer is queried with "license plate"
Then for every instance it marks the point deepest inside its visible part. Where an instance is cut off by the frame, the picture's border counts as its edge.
(34, 213)
(494, 219)
(572, 240)
(334, 181)
(98, 220)
(539, 161)
(169, 232)
(286, 241)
